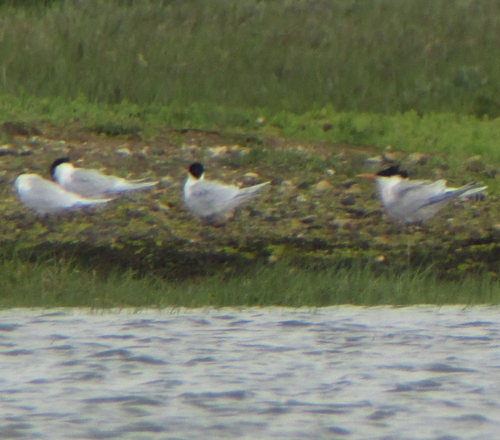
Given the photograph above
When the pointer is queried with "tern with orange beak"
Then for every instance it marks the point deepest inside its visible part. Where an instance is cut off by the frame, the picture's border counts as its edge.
(415, 201)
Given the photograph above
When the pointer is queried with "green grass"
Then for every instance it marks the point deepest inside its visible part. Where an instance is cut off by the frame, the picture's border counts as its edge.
(451, 138)
(56, 283)
(381, 56)
(138, 67)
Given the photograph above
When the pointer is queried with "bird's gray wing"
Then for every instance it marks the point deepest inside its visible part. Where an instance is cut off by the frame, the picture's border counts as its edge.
(251, 191)
(414, 187)
(453, 193)
(210, 198)
(90, 183)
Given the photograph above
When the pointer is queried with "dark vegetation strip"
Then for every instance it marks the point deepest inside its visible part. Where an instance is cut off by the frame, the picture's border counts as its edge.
(61, 283)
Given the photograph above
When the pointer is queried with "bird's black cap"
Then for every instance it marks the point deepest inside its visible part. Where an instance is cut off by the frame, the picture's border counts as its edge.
(56, 163)
(393, 171)
(196, 169)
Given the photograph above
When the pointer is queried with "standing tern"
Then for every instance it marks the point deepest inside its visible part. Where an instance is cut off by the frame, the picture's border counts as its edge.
(212, 198)
(92, 183)
(44, 196)
(414, 201)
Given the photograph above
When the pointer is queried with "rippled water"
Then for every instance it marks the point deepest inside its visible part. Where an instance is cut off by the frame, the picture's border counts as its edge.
(339, 372)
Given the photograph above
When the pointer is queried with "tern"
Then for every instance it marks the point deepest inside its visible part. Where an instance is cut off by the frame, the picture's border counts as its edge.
(92, 183)
(44, 197)
(212, 198)
(415, 201)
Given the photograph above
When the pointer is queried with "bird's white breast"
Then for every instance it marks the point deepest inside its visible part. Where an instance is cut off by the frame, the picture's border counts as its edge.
(63, 173)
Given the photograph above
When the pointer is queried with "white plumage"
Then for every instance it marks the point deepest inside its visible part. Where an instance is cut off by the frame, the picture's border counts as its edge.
(413, 201)
(44, 196)
(92, 183)
(211, 198)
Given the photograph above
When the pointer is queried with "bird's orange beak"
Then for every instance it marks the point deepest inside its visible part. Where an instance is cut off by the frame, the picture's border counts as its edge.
(369, 176)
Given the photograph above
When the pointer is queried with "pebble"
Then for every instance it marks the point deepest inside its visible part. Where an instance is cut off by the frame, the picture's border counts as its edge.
(252, 212)
(239, 150)
(490, 172)
(474, 164)
(38, 140)
(6, 150)
(288, 184)
(341, 223)
(301, 198)
(284, 187)
(382, 239)
(271, 218)
(167, 181)
(308, 220)
(355, 212)
(348, 200)
(250, 178)
(163, 207)
(272, 259)
(124, 151)
(4, 176)
(452, 228)
(418, 159)
(26, 151)
(190, 148)
(375, 160)
(218, 151)
(348, 183)
(390, 156)
(323, 186)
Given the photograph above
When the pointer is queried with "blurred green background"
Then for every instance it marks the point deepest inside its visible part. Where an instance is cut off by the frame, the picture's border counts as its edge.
(383, 56)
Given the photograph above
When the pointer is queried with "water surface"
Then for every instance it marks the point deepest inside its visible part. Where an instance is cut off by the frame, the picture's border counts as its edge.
(338, 372)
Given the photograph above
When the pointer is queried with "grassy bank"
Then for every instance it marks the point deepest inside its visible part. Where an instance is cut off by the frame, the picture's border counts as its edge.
(381, 56)
(449, 139)
(59, 283)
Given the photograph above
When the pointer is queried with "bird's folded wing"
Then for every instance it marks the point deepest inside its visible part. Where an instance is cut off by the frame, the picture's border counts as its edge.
(406, 187)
